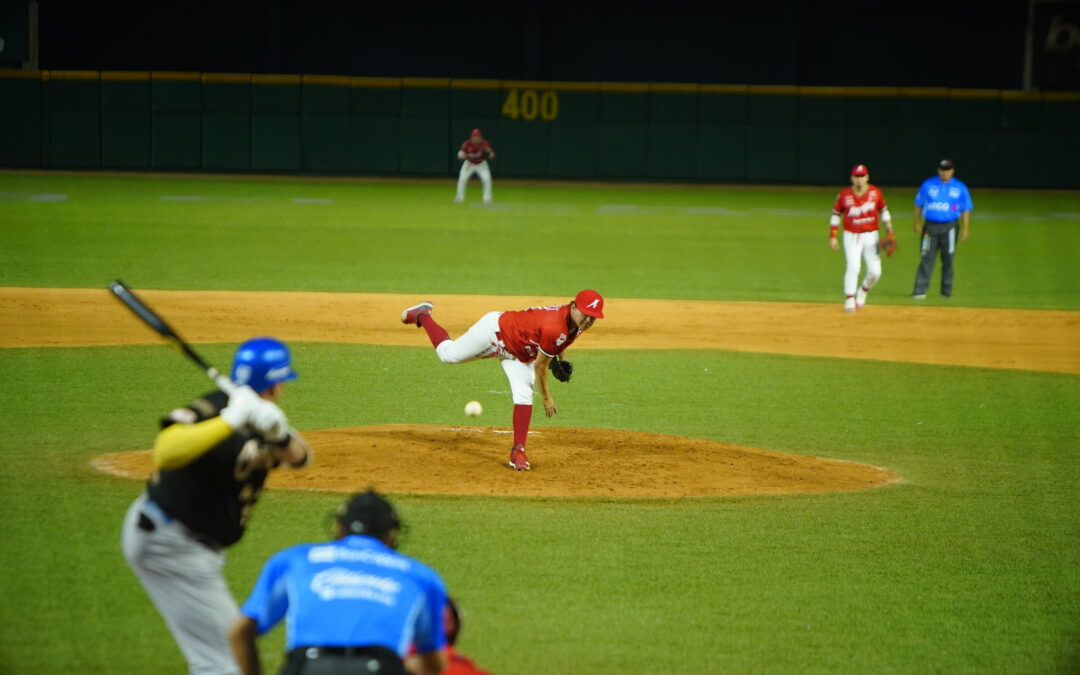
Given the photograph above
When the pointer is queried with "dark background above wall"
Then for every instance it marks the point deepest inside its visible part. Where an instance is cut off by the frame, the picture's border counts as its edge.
(961, 43)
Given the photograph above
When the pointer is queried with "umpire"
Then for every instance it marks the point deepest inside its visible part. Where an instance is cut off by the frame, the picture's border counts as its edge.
(353, 605)
(210, 461)
(942, 202)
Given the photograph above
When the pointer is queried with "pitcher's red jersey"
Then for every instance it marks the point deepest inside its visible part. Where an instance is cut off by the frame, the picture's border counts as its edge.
(530, 331)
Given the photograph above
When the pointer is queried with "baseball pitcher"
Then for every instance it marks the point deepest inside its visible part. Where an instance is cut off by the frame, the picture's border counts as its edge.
(527, 343)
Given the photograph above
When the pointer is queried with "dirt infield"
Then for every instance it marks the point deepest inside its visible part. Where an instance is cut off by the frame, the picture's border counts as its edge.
(989, 338)
(566, 462)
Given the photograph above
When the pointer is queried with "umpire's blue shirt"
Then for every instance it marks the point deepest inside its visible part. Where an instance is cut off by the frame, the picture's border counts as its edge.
(943, 202)
(352, 592)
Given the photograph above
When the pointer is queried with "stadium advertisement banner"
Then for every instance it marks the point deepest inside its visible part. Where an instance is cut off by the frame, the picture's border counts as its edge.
(1056, 57)
(14, 47)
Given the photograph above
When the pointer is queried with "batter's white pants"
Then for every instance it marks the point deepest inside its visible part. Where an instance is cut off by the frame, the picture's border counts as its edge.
(183, 579)
(467, 170)
(861, 245)
(482, 341)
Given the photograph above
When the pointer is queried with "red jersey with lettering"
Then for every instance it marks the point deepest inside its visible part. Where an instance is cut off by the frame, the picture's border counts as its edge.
(475, 152)
(860, 212)
(527, 333)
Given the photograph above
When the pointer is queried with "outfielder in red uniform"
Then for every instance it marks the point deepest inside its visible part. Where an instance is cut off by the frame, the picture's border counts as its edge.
(859, 206)
(525, 342)
(475, 152)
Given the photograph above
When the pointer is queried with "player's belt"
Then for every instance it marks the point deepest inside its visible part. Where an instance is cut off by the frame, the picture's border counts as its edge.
(154, 512)
(388, 661)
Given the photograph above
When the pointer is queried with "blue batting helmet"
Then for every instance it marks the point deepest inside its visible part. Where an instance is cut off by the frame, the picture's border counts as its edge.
(261, 363)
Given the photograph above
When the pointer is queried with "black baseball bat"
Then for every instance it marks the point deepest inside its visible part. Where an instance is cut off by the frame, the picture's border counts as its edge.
(124, 293)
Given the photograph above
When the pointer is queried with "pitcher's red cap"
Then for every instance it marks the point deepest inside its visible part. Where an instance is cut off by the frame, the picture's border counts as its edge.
(476, 132)
(859, 170)
(590, 303)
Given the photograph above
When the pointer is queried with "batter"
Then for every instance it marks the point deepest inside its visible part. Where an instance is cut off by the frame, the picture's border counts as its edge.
(211, 460)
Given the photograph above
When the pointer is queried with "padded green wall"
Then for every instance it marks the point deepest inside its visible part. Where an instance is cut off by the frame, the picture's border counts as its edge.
(226, 124)
(21, 134)
(176, 122)
(275, 126)
(74, 122)
(125, 122)
(775, 134)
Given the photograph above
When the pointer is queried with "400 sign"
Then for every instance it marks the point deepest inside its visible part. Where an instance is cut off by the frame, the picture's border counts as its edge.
(530, 104)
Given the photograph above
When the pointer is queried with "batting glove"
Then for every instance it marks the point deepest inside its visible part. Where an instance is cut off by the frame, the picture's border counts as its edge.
(242, 405)
(270, 422)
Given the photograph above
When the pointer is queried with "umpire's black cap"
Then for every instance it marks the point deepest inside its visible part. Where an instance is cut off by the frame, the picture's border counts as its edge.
(368, 513)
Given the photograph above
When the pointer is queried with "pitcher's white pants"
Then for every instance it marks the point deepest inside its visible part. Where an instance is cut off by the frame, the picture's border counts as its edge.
(482, 341)
(467, 170)
(861, 245)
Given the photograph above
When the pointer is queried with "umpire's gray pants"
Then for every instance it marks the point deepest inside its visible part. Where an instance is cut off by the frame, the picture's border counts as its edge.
(937, 238)
(183, 578)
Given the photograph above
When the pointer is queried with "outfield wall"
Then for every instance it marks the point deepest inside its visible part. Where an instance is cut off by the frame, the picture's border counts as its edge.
(172, 121)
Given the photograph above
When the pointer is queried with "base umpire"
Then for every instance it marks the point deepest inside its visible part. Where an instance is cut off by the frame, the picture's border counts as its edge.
(942, 201)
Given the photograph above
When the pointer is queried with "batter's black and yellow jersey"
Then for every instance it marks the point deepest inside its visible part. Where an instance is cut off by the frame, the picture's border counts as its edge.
(215, 494)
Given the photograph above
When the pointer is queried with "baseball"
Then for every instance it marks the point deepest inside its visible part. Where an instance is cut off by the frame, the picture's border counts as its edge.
(473, 408)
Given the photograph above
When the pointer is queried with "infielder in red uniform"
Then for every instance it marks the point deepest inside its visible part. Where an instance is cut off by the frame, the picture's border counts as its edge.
(525, 342)
(859, 206)
(475, 152)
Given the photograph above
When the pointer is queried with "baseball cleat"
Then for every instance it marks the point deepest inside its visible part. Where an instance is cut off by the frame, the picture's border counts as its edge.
(412, 314)
(849, 304)
(519, 461)
(918, 296)
(860, 297)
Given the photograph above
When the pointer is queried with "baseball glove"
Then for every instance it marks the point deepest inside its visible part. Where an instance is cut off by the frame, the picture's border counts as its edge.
(562, 370)
(887, 245)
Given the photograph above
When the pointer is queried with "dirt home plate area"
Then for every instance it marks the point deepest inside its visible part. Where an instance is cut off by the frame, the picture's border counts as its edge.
(566, 462)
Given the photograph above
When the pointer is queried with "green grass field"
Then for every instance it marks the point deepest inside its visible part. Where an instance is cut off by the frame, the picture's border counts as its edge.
(971, 565)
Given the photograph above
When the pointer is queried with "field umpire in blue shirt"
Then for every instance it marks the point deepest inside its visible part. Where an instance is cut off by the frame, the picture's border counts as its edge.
(353, 605)
(943, 202)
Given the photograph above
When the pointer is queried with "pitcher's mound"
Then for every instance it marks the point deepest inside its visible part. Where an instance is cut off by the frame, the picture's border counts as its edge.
(566, 462)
